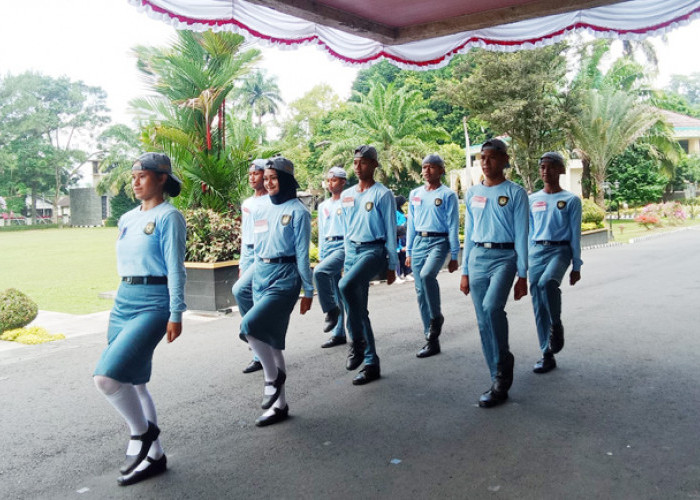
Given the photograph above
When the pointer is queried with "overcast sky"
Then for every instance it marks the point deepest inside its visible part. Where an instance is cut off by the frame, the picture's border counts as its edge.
(90, 40)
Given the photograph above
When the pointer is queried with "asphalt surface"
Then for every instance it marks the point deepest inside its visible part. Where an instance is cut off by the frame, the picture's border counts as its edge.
(616, 419)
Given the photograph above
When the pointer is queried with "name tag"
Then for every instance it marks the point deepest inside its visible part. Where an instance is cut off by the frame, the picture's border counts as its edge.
(416, 201)
(245, 209)
(478, 202)
(260, 226)
(326, 213)
(348, 202)
(539, 206)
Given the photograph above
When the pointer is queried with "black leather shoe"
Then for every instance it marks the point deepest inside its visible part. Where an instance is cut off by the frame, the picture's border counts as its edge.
(556, 338)
(435, 327)
(546, 364)
(277, 384)
(334, 341)
(430, 349)
(147, 439)
(154, 468)
(278, 416)
(331, 319)
(254, 366)
(492, 398)
(367, 375)
(504, 374)
(356, 354)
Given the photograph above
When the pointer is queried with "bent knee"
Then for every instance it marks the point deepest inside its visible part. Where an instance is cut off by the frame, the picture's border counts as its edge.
(106, 385)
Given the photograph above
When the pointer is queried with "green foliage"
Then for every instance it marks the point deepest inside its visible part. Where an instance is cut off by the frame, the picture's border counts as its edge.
(16, 309)
(590, 226)
(687, 171)
(639, 175)
(212, 236)
(591, 212)
(119, 205)
(120, 146)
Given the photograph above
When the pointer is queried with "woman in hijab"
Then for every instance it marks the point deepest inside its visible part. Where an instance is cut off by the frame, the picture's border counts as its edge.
(282, 233)
(149, 304)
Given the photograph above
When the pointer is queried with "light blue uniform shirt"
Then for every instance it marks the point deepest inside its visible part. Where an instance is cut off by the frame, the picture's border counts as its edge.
(331, 222)
(152, 243)
(371, 216)
(557, 217)
(248, 207)
(435, 211)
(497, 214)
(284, 231)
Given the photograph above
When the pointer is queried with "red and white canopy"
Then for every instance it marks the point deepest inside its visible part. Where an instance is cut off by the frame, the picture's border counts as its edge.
(420, 34)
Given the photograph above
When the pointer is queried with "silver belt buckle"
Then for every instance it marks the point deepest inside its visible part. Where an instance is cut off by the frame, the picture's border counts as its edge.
(266, 261)
(129, 280)
(424, 234)
(487, 245)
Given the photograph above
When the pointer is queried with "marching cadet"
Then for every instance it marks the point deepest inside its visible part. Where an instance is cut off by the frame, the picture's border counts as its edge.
(370, 238)
(282, 231)
(331, 251)
(495, 249)
(149, 304)
(432, 234)
(555, 242)
(243, 287)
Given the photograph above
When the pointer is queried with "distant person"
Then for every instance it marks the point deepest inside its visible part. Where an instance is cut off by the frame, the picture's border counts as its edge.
(149, 304)
(331, 251)
(243, 287)
(370, 244)
(403, 271)
(282, 234)
(555, 242)
(495, 251)
(433, 234)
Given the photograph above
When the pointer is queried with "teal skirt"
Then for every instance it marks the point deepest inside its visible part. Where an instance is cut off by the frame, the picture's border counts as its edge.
(137, 323)
(276, 289)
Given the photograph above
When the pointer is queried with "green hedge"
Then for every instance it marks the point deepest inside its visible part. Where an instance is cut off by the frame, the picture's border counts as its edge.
(16, 309)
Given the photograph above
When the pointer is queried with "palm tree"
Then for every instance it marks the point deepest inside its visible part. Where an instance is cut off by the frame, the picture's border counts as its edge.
(261, 94)
(609, 120)
(397, 122)
(187, 116)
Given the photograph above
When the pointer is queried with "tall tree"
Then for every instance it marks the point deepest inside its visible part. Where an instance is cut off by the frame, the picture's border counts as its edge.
(260, 94)
(397, 122)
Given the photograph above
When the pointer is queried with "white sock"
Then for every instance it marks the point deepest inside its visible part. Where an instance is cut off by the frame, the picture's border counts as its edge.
(149, 409)
(279, 361)
(125, 399)
(265, 353)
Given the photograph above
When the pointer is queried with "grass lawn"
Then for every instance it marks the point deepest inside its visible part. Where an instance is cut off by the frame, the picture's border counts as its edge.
(62, 270)
(625, 230)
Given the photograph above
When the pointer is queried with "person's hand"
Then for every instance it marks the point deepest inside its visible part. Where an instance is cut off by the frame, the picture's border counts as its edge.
(408, 261)
(390, 277)
(173, 330)
(464, 284)
(452, 266)
(520, 288)
(574, 277)
(305, 304)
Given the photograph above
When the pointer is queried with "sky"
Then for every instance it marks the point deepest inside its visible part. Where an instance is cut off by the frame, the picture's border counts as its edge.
(90, 40)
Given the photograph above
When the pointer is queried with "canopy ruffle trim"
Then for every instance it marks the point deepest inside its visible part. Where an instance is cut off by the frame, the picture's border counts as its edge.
(630, 20)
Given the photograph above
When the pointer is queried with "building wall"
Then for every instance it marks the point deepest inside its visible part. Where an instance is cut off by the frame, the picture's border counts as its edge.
(85, 207)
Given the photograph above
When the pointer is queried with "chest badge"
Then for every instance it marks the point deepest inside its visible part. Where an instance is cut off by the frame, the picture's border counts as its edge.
(339, 211)
(286, 219)
(150, 227)
(561, 204)
(503, 200)
(369, 206)
(438, 202)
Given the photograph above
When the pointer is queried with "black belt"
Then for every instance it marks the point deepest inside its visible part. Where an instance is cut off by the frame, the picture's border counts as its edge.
(375, 242)
(488, 244)
(250, 246)
(279, 260)
(145, 280)
(548, 243)
(335, 238)
(428, 234)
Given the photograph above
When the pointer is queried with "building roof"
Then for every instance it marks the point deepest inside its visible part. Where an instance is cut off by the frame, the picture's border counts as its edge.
(684, 126)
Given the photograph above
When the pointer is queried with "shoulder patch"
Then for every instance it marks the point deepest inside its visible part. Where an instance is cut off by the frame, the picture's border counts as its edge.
(503, 200)
(438, 202)
(369, 206)
(150, 227)
(561, 204)
(286, 219)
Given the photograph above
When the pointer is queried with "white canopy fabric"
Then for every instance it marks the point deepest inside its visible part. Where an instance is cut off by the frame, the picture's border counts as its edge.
(627, 20)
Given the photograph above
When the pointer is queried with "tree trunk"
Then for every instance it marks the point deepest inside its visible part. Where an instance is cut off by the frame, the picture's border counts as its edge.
(586, 181)
(32, 213)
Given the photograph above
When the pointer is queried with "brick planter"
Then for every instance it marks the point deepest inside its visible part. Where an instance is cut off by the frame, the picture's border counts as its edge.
(208, 285)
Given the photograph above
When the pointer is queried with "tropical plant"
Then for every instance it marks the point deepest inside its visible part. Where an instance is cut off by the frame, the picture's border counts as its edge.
(397, 122)
(16, 309)
(260, 94)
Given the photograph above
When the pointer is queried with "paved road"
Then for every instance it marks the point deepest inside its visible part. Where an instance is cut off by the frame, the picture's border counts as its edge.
(617, 419)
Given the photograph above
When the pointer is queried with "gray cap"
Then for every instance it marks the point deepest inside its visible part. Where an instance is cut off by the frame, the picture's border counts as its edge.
(434, 159)
(257, 164)
(495, 144)
(160, 163)
(554, 156)
(337, 172)
(281, 164)
(368, 152)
